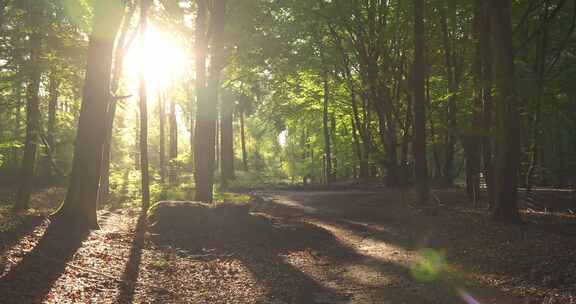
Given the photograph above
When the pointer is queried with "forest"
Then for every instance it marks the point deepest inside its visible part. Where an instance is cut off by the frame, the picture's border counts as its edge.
(287, 151)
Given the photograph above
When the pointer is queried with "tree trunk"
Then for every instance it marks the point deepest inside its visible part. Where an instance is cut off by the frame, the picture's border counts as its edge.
(26, 178)
(217, 145)
(449, 147)
(540, 69)
(227, 140)
(326, 129)
(51, 126)
(487, 108)
(17, 120)
(243, 141)
(472, 142)
(81, 199)
(142, 92)
(173, 151)
(356, 148)
(205, 138)
(162, 137)
(203, 121)
(422, 187)
(120, 51)
(507, 109)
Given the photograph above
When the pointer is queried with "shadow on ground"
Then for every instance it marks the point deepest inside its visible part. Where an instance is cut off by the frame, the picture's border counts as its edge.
(32, 278)
(130, 275)
(263, 243)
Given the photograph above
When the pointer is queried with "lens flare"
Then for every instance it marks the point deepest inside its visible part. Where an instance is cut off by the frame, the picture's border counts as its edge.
(429, 266)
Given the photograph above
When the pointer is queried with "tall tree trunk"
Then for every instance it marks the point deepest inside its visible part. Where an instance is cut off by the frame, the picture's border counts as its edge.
(471, 142)
(217, 145)
(17, 120)
(326, 129)
(162, 139)
(507, 124)
(173, 151)
(119, 54)
(51, 126)
(335, 145)
(202, 122)
(358, 127)
(26, 178)
(205, 139)
(449, 147)
(227, 140)
(422, 186)
(136, 150)
(145, 182)
(356, 148)
(487, 107)
(81, 199)
(243, 141)
(540, 69)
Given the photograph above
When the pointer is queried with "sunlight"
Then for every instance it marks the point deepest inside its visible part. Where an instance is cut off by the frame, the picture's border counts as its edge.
(164, 58)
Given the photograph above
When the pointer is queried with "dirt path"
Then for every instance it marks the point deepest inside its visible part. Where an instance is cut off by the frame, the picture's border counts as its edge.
(317, 247)
(390, 248)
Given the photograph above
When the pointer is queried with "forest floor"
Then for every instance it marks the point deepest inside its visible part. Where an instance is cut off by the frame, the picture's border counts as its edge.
(331, 247)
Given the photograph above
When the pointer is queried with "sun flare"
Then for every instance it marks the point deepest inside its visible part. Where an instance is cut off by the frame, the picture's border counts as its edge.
(162, 57)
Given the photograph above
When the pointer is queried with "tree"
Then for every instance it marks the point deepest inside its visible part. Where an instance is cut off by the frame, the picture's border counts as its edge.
(205, 133)
(162, 135)
(143, 98)
(227, 138)
(122, 44)
(507, 114)
(419, 139)
(325, 128)
(32, 107)
(80, 203)
(173, 147)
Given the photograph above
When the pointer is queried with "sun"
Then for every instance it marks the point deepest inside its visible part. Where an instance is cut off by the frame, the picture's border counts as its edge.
(162, 56)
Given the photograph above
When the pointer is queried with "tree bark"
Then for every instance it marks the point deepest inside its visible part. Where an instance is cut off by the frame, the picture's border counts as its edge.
(173, 150)
(472, 142)
(326, 129)
(162, 137)
(449, 147)
(202, 121)
(227, 140)
(205, 139)
(145, 181)
(243, 141)
(27, 168)
(121, 46)
(487, 107)
(507, 109)
(17, 120)
(51, 126)
(422, 187)
(81, 199)
(540, 69)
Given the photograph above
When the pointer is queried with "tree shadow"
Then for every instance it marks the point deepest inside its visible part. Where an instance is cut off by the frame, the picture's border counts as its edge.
(132, 269)
(264, 246)
(361, 223)
(31, 279)
(13, 235)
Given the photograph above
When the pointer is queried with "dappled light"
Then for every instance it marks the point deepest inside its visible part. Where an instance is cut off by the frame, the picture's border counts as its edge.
(287, 152)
